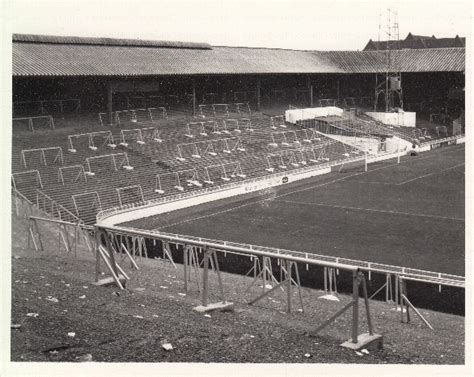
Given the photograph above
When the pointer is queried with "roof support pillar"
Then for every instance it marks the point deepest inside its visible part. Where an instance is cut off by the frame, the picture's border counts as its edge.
(194, 97)
(310, 89)
(258, 94)
(338, 89)
(110, 93)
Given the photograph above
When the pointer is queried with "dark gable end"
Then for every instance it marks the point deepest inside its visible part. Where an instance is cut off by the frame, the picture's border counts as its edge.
(413, 41)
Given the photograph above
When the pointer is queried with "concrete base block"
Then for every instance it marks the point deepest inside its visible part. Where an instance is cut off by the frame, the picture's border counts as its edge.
(110, 281)
(329, 298)
(370, 342)
(220, 306)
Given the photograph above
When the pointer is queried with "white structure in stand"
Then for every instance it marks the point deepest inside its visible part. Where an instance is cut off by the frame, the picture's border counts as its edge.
(400, 118)
(292, 116)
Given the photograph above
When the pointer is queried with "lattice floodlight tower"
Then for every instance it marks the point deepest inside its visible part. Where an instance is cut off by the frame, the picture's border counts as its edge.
(94, 140)
(45, 156)
(224, 172)
(72, 173)
(391, 86)
(277, 121)
(87, 204)
(33, 123)
(157, 113)
(130, 194)
(114, 161)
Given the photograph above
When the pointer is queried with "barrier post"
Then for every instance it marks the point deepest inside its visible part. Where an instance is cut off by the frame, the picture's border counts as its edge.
(355, 306)
(288, 288)
(205, 276)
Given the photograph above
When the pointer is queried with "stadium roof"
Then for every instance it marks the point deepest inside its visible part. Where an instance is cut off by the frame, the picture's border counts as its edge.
(75, 56)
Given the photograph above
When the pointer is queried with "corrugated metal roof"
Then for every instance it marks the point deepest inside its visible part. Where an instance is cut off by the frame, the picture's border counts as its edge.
(411, 60)
(31, 59)
(48, 59)
(56, 39)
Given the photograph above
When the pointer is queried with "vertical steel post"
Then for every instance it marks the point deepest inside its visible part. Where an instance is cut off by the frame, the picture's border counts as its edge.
(185, 268)
(194, 98)
(205, 276)
(219, 277)
(366, 301)
(258, 94)
(355, 307)
(288, 282)
(97, 256)
(109, 103)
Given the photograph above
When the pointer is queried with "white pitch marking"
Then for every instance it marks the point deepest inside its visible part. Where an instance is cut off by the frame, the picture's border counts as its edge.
(429, 174)
(372, 210)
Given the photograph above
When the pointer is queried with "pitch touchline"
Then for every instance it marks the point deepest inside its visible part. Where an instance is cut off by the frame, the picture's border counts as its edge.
(429, 174)
(282, 195)
(371, 210)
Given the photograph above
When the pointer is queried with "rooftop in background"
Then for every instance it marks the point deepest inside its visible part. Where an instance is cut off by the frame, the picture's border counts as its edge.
(417, 42)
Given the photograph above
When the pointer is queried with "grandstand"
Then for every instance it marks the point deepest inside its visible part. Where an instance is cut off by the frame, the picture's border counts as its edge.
(195, 125)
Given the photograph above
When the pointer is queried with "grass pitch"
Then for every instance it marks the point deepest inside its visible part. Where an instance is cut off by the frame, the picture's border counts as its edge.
(409, 214)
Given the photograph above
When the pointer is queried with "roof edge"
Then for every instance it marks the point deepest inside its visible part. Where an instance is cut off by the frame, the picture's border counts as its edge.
(57, 39)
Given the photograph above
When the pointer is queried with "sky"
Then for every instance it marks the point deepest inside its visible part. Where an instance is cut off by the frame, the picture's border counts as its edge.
(308, 25)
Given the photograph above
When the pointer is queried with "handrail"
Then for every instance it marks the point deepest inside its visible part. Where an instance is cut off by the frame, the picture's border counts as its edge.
(309, 258)
(63, 222)
(58, 206)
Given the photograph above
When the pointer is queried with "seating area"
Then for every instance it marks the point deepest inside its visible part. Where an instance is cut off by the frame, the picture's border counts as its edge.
(81, 173)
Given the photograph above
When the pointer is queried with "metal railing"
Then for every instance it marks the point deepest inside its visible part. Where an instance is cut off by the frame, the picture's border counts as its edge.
(47, 204)
(101, 215)
(407, 273)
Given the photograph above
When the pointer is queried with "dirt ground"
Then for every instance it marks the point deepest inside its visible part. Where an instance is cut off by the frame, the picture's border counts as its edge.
(133, 324)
